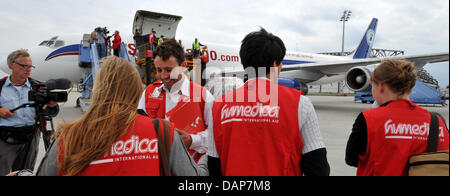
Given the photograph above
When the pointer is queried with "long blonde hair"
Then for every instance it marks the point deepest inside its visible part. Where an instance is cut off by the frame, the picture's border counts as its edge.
(116, 93)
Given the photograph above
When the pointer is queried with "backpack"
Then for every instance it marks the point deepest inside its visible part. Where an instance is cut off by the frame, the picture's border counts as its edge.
(431, 163)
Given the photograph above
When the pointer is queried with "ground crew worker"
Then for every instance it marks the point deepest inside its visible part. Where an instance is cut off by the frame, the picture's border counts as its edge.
(196, 48)
(204, 61)
(376, 145)
(151, 40)
(181, 43)
(161, 40)
(116, 43)
(260, 134)
(93, 37)
(112, 138)
(169, 98)
(101, 42)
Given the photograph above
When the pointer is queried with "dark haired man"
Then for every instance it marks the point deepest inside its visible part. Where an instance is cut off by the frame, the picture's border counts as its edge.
(175, 98)
(265, 129)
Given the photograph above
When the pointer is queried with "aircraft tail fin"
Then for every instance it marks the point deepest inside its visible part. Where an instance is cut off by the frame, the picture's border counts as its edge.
(364, 48)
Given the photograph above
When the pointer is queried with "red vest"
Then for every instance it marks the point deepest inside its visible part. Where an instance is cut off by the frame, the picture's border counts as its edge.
(155, 105)
(187, 115)
(205, 56)
(151, 38)
(394, 133)
(135, 154)
(257, 138)
(117, 41)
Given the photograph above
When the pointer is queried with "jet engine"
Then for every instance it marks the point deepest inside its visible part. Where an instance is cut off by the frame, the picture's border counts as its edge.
(358, 78)
(304, 88)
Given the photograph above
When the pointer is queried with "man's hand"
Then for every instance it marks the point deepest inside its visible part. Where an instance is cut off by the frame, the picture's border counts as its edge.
(186, 138)
(13, 173)
(6, 113)
(52, 104)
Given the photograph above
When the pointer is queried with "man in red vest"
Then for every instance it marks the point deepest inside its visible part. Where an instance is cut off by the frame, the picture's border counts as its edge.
(151, 40)
(204, 61)
(178, 100)
(264, 129)
(116, 43)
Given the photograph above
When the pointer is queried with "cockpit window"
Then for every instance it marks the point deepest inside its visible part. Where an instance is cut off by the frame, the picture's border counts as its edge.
(52, 43)
(59, 43)
(44, 43)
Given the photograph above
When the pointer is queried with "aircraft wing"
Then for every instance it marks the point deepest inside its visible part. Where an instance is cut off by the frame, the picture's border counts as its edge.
(331, 68)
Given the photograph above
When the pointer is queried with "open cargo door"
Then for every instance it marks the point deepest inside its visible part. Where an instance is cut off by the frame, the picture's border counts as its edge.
(144, 23)
(163, 24)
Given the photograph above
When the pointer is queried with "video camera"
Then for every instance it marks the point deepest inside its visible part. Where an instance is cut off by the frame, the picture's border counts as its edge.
(42, 93)
(106, 30)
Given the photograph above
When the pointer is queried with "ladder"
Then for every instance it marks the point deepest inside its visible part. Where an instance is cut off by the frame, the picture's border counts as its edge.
(88, 83)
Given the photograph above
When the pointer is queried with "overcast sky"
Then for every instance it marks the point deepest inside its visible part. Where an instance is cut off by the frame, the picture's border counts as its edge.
(415, 26)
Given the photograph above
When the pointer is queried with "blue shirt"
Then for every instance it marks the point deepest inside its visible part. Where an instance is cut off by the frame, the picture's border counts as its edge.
(13, 97)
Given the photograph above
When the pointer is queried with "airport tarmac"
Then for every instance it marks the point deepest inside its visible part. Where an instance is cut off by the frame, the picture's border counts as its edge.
(336, 116)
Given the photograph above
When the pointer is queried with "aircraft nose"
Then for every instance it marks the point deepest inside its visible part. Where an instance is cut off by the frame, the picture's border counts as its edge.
(3, 68)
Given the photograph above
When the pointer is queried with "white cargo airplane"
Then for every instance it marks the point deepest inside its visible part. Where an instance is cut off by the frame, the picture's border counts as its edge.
(58, 57)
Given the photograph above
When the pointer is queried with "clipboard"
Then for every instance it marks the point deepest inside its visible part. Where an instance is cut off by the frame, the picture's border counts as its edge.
(187, 116)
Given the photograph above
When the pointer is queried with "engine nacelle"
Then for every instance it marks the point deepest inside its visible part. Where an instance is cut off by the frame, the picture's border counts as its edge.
(304, 88)
(358, 78)
(294, 84)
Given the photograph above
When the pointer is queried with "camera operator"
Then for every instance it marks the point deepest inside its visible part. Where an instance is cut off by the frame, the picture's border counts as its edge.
(107, 41)
(19, 137)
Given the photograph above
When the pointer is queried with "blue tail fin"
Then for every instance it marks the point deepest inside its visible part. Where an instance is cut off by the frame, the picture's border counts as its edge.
(365, 46)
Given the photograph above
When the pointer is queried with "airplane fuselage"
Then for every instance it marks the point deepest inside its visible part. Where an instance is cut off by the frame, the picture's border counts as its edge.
(50, 65)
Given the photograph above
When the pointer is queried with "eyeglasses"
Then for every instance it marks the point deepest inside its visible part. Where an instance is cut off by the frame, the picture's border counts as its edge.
(25, 66)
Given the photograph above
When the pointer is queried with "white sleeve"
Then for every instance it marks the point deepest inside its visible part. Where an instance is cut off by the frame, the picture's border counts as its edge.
(141, 104)
(200, 140)
(207, 113)
(309, 126)
(212, 151)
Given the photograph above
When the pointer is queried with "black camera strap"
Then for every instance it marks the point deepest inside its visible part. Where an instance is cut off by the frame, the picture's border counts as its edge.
(2, 82)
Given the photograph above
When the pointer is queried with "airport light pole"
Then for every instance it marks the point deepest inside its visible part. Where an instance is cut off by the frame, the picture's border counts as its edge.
(345, 17)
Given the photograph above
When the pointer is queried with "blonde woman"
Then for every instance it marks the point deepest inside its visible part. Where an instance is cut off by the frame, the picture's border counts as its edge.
(111, 138)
